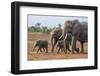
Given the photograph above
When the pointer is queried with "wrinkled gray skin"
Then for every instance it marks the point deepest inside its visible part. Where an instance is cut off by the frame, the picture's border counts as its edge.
(79, 32)
(42, 45)
(64, 44)
(55, 35)
(67, 41)
(60, 46)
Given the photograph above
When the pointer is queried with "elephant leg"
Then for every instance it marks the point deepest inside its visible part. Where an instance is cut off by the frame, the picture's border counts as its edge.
(82, 48)
(53, 45)
(46, 50)
(74, 45)
(77, 50)
(67, 47)
(69, 50)
(62, 49)
(74, 48)
(58, 50)
(39, 49)
(34, 48)
(53, 48)
(65, 51)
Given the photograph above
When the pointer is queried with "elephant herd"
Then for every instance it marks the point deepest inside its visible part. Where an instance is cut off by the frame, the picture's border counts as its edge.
(65, 39)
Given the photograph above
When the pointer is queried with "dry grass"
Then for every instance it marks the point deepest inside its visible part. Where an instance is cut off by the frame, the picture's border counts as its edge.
(32, 37)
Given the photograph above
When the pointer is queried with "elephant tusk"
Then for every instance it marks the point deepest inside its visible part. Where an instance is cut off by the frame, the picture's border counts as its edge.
(71, 43)
(65, 42)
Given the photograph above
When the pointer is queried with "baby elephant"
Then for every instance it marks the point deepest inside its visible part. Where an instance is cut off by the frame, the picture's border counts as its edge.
(60, 45)
(42, 45)
(64, 44)
(68, 42)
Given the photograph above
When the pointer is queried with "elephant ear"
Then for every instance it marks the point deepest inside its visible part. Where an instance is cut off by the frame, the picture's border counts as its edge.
(76, 27)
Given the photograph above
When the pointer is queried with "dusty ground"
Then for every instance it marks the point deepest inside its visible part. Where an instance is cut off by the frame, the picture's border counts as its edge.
(32, 37)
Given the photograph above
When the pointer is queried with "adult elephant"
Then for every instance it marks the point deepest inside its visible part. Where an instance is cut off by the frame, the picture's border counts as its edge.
(79, 31)
(55, 35)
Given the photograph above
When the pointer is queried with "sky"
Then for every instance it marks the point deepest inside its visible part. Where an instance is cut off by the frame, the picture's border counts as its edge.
(52, 21)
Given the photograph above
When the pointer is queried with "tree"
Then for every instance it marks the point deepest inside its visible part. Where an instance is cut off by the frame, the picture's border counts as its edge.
(59, 25)
(44, 29)
(37, 25)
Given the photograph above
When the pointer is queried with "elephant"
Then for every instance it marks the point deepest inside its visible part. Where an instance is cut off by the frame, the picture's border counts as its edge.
(60, 46)
(64, 44)
(66, 29)
(55, 35)
(41, 44)
(79, 31)
(67, 41)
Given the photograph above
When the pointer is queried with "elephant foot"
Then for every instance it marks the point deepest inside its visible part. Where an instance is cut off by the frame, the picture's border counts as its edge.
(72, 52)
(82, 52)
(77, 50)
(65, 52)
(69, 50)
(52, 51)
(58, 52)
(46, 52)
(37, 52)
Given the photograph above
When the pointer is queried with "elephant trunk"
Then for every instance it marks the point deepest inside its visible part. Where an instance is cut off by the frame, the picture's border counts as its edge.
(73, 43)
(52, 43)
(34, 46)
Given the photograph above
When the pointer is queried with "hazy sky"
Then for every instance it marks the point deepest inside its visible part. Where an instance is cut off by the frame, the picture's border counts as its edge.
(52, 21)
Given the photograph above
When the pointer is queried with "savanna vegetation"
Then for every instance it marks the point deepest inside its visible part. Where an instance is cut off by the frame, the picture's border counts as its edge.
(38, 27)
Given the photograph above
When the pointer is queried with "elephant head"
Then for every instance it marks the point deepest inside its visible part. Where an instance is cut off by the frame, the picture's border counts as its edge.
(35, 45)
(55, 35)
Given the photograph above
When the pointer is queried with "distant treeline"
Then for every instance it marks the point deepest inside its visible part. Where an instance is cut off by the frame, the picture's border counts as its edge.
(38, 28)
